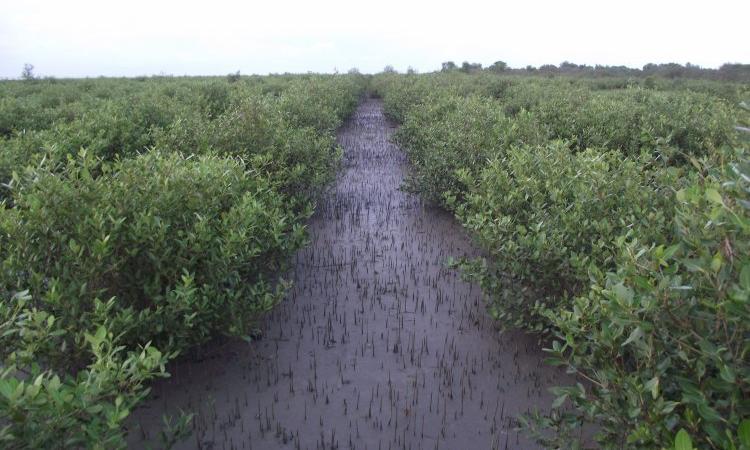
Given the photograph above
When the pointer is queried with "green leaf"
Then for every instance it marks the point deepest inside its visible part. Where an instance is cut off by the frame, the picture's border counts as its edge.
(743, 433)
(559, 401)
(94, 409)
(123, 414)
(717, 262)
(6, 389)
(682, 441)
(623, 293)
(669, 252)
(708, 413)
(653, 386)
(636, 334)
(727, 374)
(745, 277)
(96, 339)
(713, 196)
(101, 333)
(669, 407)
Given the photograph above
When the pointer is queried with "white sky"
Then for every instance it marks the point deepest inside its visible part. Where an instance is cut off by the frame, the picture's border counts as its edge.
(75, 38)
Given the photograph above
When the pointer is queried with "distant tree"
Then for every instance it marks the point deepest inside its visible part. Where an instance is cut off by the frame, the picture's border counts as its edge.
(28, 72)
(530, 68)
(233, 77)
(693, 70)
(568, 66)
(649, 68)
(389, 69)
(467, 67)
(498, 66)
(673, 70)
(448, 66)
(353, 71)
(669, 70)
(734, 72)
(411, 71)
(548, 68)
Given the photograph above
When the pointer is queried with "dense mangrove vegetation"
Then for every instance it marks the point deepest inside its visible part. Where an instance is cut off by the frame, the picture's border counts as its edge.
(616, 218)
(142, 218)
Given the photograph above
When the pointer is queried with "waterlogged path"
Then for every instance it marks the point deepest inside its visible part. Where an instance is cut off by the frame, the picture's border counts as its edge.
(377, 346)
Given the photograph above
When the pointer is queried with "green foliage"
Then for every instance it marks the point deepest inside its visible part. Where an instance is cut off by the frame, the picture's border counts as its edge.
(672, 124)
(439, 148)
(183, 262)
(547, 215)
(307, 103)
(401, 95)
(51, 407)
(664, 338)
(298, 160)
(215, 98)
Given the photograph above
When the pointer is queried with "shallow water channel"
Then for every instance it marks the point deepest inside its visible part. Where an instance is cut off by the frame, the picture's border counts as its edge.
(377, 346)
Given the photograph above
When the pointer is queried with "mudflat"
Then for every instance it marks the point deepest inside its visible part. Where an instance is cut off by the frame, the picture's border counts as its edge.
(378, 345)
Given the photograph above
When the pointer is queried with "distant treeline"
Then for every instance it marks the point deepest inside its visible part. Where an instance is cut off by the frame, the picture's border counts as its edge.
(727, 72)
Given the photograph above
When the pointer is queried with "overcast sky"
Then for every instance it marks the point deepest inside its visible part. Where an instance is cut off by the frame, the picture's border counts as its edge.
(76, 38)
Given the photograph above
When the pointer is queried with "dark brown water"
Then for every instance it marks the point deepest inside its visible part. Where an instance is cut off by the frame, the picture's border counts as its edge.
(377, 346)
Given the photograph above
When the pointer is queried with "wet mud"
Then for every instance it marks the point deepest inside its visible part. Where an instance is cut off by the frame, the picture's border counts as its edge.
(377, 346)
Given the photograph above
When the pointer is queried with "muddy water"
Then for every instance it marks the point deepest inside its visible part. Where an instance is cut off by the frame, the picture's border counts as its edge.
(377, 346)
